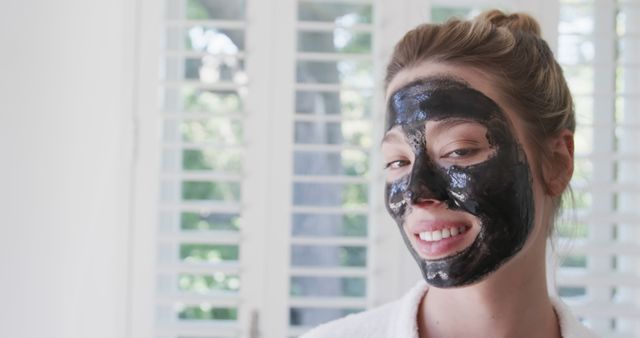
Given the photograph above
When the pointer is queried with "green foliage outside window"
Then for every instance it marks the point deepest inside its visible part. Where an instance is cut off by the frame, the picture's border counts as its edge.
(355, 195)
(353, 256)
(571, 230)
(209, 159)
(206, 313)
(442, 14)
(204, 284)
(354, 225)
(574, 261)
(213, 191)
(209, 253)
(208, 222)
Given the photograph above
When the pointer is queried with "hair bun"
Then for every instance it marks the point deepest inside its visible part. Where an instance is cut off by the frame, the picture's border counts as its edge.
(515, 22)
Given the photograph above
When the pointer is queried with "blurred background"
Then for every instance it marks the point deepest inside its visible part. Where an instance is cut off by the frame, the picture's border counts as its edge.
(210, 168)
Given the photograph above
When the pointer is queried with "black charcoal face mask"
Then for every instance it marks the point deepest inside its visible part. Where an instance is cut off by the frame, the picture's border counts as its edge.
(497, 191)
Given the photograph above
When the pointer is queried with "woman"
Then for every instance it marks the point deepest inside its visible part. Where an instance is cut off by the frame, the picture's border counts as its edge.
(478, 150)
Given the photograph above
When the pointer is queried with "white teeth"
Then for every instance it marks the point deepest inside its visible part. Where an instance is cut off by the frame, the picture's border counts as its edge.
(433, 236)
(436, 235)
(446, 233)
(425, 236)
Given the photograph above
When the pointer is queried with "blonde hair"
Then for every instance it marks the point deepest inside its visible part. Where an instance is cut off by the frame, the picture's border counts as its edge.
(509, 49)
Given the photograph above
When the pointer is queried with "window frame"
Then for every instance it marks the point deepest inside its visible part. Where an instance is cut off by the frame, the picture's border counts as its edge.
(265, 251)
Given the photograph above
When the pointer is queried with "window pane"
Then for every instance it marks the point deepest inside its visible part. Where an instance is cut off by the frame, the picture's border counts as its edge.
(345, 162)
(574, 2)
(571, 230)
(207, 69)
(569, 291)
(328, 286)
(440, 14)
(218, 130)
(576, 19)
(583, 139)
(339, 41)
(580, 80)
(209, 253)
(328, 256)
(215, 9)
(191, 99)
(625, 25)
(205, 9)
(172, 222)
(574, 261)
(347, 73)
(211, 191)
(200, 191)
(206, 312)
(209, 284)
(330, 194)
(583, 170)
(583, 109)
(331, 225)
(356, 133)
(575, 49)
(209, 159)
(315, 316)
(206, 39)
(581, 199)
(209, 221)
(223, 131)
(340, 13)
(348, 103)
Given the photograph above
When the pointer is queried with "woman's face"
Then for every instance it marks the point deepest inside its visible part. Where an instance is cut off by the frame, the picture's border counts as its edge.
(458, 181)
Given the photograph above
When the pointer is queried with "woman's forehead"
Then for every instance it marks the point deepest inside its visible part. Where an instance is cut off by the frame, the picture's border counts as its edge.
(439, 98)
(470, 76)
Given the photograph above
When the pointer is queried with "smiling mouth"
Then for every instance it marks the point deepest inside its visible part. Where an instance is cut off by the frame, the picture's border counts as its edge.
(439, 235)
(442, 239)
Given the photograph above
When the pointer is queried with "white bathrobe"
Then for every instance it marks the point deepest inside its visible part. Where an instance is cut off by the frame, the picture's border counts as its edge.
(398, 319)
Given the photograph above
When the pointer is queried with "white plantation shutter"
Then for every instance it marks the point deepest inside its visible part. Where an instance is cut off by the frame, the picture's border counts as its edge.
(332, 142)
(599, 45)
(203, 81)
(264, 153)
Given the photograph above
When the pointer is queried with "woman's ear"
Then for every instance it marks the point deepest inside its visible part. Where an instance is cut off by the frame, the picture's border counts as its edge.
(558, 167)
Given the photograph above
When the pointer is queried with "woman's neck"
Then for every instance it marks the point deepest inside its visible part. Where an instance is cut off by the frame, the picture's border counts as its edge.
(512, 302)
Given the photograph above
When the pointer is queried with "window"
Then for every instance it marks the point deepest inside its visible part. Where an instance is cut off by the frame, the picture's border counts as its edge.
(261, 189)
(332, 139)
(203, 109)
(598, 274)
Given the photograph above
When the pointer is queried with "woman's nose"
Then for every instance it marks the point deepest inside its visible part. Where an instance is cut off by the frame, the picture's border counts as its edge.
(419, 200)
(426, 186)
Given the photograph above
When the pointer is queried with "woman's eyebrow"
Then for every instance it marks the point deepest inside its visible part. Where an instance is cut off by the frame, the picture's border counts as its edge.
(444, 125)
(391, 137)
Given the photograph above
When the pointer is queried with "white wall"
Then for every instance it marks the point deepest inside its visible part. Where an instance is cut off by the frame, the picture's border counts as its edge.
(65, 140)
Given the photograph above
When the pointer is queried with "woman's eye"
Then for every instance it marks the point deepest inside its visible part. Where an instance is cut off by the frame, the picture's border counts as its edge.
(396, 164)
(460, 153)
